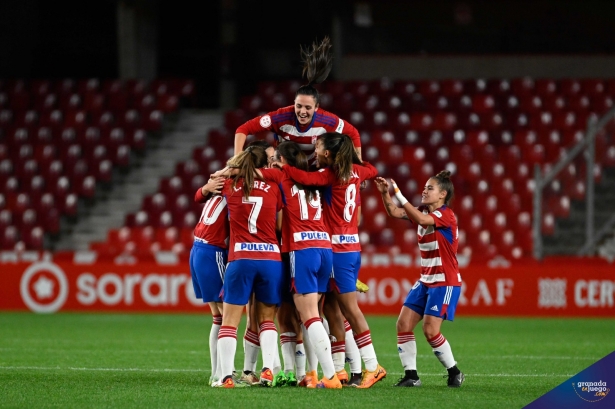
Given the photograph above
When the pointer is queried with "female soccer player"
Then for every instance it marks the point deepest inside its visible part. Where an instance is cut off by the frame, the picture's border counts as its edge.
(254, 262)
(208, 258)
(434, 297)
(304, 121)
(342, 173)
(305, 239)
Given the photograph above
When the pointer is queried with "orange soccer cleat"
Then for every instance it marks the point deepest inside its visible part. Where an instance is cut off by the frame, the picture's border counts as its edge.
(370, 378)
(333, 383)
(309, 380)
(342, 375)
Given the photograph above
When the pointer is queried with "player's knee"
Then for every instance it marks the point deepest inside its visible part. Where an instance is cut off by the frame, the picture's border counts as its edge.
(430, 331)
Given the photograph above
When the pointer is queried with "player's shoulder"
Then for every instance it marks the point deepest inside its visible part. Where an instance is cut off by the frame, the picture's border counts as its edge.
(444, 212)
(324, 117)
(282, 114)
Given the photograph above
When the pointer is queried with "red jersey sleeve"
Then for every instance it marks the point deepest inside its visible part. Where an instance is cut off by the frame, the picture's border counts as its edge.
(368, 171)
(199, 198)
(352, 132)
(259, 124)
(323, 177)
(273, 175)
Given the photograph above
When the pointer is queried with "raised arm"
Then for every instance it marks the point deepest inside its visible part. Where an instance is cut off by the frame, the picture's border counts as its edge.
(413, 213)
(392, 210)
(240, 141)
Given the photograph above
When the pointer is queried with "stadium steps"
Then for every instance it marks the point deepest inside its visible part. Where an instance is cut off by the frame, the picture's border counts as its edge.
(176, 144)
(569, 234)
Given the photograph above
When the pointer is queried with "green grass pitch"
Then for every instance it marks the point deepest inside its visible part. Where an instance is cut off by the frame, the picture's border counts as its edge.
(147, 360)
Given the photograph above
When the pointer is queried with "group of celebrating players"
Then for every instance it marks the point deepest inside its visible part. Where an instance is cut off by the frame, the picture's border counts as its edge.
(291, 218)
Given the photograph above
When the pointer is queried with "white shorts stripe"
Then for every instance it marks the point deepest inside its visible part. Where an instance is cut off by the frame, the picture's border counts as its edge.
(221, 265)
(292, 263)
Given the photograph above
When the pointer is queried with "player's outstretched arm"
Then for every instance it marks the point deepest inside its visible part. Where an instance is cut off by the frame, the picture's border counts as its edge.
(413, 213)
(383, 187)
(240, 141)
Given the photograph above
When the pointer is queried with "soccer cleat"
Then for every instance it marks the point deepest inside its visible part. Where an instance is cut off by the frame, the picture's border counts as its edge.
(355, 380)
(279, 380)
(213, 379)
(266, 378)
(342, 375)
(333, 383)
(408, 382)
(361, 286)
(455, 381)
(370, 378)
(291, 379)
(250, 378)
(227, 383)
(309, 380)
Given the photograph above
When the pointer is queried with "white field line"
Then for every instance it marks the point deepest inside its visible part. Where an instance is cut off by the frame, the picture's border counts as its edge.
(492, 357)
(422, 356)
(118, 351)
(170, 370)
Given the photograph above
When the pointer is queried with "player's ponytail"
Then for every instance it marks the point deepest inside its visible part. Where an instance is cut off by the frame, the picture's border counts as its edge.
(317, 64)
(248, 161)
(444, 183)
(295, 157)
(343, 154)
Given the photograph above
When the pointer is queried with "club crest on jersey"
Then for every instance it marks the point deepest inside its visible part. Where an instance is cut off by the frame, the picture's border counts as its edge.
(265, 121)
(314, 139)
(266, 247)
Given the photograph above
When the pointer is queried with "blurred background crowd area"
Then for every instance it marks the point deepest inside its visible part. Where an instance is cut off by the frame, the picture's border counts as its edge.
(112, 113)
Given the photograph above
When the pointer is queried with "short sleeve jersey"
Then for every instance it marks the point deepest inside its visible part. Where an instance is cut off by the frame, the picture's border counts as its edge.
(438, 245)
(302, 224)
(253, 220)
(213, 226)
(284, 124)
(339, 202)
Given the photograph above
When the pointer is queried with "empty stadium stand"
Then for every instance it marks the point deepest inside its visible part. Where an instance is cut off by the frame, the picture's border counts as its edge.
(60, 139)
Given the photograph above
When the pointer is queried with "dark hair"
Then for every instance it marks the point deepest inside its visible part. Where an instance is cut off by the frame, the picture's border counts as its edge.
(317, 64)
(252, 158)
(260, 142)
(344, 153)
(444, 183)
(295, 157)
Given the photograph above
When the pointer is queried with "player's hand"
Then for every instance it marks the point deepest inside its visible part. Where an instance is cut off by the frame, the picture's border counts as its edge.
(363, 185)
(395, 187)
(381, 184)
(277, 164)
(214, 185)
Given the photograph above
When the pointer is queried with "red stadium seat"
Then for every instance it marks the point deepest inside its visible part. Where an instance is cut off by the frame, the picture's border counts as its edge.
(9, 237)
(569, 87)
(545, 86)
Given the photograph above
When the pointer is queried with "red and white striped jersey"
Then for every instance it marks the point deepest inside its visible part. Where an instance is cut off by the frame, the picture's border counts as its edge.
(213, 227)
(339, 201)
(253, 220)
(438, 246)
(284, 124)
(303, 224)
